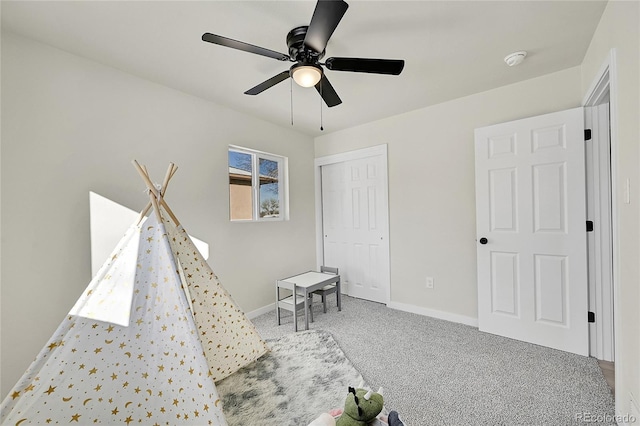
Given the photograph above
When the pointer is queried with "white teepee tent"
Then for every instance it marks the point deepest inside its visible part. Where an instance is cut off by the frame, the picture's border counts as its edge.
(145, 342)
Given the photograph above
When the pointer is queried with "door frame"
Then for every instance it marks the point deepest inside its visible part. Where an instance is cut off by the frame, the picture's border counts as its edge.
(599, 240)
(606, 81)
(359, 154)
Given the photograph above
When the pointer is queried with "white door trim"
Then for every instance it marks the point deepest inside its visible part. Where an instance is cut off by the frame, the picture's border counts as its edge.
(380, 150)
(607, 77)
(598, 173)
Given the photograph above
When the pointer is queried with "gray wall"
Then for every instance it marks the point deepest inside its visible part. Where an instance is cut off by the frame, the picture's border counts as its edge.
(70, 126)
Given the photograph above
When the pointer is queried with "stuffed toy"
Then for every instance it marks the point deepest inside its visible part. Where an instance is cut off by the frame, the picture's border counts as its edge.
(394, 420)
(361, 407)
(325, 419)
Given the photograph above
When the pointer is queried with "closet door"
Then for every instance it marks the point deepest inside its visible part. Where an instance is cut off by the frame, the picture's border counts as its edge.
(355, 225)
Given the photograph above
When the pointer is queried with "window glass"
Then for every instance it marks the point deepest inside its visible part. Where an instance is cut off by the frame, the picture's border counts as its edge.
(257, 185)
(240, 186)
(269, 185)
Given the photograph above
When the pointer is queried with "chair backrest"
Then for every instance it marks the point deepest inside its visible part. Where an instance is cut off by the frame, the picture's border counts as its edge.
(329, 269)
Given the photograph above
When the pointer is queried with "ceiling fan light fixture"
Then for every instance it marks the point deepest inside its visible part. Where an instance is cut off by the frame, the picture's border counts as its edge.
(306, 75)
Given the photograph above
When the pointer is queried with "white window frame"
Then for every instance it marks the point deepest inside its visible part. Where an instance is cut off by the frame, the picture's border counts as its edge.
(283, 184)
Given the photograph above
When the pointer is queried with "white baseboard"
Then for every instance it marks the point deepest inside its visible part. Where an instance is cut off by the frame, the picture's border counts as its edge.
(256, 313)
(447, 316)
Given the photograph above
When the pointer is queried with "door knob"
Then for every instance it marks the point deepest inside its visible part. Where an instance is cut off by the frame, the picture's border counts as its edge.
(483, 240)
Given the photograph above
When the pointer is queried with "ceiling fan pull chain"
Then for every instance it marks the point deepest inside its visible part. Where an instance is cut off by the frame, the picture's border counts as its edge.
(291, 92)
(321, 98)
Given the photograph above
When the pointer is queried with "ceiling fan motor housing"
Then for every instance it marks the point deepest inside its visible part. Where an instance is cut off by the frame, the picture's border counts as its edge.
(297, 49)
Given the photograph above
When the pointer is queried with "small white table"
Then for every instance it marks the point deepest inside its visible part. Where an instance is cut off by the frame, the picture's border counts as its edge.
(302, 285)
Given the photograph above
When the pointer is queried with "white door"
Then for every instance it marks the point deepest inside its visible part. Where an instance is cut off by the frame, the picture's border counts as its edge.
(354, 211)
(530, 209)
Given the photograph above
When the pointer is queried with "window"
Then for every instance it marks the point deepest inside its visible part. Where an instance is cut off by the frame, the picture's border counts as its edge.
(257, 185)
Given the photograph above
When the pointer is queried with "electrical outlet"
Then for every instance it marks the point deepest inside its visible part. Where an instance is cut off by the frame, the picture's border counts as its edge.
(429, 283)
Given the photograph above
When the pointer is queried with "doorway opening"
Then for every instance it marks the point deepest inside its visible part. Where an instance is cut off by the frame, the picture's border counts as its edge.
(600, 106)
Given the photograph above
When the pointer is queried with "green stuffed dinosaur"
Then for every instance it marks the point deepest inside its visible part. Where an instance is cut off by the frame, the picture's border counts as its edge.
(360, 407)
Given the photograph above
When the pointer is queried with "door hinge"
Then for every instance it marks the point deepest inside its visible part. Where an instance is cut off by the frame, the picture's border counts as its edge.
(587, 134)
(589, 226)
(591, 316)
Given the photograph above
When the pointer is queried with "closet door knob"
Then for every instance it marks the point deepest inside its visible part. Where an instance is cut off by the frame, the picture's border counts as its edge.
(483, 240)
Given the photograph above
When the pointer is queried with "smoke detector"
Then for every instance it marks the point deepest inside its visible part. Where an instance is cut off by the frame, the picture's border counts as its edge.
(515, 58)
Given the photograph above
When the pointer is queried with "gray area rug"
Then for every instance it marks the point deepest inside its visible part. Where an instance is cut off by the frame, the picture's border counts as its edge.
(304, 375)
(437, 372)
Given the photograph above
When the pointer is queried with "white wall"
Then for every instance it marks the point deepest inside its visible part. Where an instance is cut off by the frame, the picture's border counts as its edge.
(432, 185)
(70, 126)
(619, 28)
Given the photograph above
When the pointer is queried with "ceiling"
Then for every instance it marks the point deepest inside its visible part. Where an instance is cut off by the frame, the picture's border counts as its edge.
(451, 49)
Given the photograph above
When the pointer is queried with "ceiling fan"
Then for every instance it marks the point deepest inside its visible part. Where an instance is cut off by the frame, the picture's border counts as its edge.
(306, 48)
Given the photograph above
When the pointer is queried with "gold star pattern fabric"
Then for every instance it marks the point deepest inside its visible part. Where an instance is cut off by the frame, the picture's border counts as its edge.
(151, 372)
(229, 339)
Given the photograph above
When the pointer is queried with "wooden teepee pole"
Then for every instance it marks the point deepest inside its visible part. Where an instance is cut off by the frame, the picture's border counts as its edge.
(156, 197)
(171, 170)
